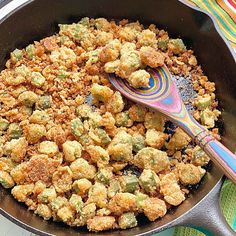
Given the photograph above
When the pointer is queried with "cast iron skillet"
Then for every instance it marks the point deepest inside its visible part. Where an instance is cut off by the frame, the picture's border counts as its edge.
(39, 18)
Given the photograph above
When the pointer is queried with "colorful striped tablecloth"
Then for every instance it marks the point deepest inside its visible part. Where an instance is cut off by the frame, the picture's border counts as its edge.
(224, 12)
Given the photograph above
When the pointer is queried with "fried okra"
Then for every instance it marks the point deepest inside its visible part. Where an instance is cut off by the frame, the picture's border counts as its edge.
(120, 148)
(127, 220)
(151, 158)
(98, 155)
(137, 113)
(16, 149)
(178, 141)
(101, 93)
(115, 104)
(98, 194)
(151, 57)
(199, 157)
(74, 149)
(139, 78)
(21, 192)
(147, 38)
(49, 148)
(82, 169)
(81, 186)
(170, 188)
(154, 208)
(62, 179)
(44, 211)
(149, 180)
(190, 174)
(155, 139)
(100, 223)
(34, 133)
(138, 141)
(6, 179)
(154, 120)
(122, 202)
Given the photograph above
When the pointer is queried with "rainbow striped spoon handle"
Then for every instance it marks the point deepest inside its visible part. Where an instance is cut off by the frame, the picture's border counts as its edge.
(163, 96)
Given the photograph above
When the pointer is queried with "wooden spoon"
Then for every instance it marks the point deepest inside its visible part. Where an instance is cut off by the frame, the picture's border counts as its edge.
(163, 96)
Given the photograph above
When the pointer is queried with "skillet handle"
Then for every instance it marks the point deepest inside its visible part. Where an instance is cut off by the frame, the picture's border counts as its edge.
(207, 216)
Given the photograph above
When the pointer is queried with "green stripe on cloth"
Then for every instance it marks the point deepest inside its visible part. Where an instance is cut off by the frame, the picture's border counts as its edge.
(185, 231)
(228, 200)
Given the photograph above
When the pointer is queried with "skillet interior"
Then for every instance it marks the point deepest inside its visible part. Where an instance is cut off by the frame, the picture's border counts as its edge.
(39, 19)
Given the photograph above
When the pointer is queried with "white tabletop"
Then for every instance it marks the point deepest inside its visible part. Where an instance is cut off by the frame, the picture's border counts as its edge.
(7, 228)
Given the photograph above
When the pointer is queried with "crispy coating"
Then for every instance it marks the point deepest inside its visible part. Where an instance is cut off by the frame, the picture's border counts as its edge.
(150, 57)
(111, 51)
(101, 93)
(39, 117)
(20, 192)
(57, 135)
(171, 190)
(151, 158)
(66, 214)
(112, 66)
(44, 211)
(199, 157)
(40, 167)
(81, 186)
(6, 164)
(18, 173)
(137, 113)
(47, 195)
(98, 155)
(155, 139)
(101, 223)
(120, 148)
(178, 141)
(98, 195)
(128, 33)
(154, 120)
(189, 174)
(154, 208)
(16, 149)
(64, 56)
(139, 78)
(147, 38)
(6, 179)
(62, 179)
(34, 133)
(116, 103)
(71, 150)
(122, 202)
(49, 148)
(103, 38)
(82, 169)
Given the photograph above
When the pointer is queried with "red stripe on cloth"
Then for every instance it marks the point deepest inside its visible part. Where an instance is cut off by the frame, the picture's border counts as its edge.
(233, 3)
